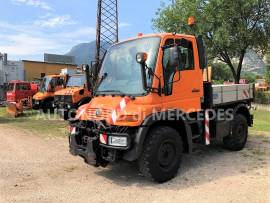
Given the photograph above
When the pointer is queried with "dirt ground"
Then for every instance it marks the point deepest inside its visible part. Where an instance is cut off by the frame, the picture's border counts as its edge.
(33, 169)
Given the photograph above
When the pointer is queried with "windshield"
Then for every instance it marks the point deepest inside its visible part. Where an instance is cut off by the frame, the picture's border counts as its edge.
(123, 73)
(76, 81)
(45, 84)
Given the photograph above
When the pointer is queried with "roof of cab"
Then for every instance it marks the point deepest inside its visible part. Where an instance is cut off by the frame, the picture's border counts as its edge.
(161, 35)
(18, 81)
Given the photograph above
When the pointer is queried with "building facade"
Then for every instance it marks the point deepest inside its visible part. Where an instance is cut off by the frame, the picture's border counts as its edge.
(11, 70)
(35, 69)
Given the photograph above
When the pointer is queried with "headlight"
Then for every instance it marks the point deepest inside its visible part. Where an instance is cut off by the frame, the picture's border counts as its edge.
(118, 141)
(128, 118)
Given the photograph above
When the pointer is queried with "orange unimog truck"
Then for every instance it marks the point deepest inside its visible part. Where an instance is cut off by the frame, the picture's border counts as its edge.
(44, 98)
(152, 105)
(73, 96)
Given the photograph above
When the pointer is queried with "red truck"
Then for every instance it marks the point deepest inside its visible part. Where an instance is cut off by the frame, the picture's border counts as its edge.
(18, 90)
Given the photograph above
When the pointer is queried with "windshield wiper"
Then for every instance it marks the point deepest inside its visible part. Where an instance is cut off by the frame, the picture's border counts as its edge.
(111, 91)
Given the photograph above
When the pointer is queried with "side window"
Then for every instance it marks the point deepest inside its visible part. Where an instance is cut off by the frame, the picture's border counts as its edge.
(21, 86)
(27, 87)
(60, 81)
(186, 53)
(185, 50)
(18, 86)
(168, 71)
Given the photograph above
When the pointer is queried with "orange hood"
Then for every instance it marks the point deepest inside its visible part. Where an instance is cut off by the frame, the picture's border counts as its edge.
(68, 91)
(116, 110)
(42, 95)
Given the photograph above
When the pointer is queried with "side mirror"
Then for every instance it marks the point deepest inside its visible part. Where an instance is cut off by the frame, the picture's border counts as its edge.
(84, 67)
(141, 58)
(174, 58)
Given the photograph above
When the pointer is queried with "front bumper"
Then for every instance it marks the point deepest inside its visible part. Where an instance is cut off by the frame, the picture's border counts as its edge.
(66, 110)
(36, 104)
(86, 152)
(85, 142)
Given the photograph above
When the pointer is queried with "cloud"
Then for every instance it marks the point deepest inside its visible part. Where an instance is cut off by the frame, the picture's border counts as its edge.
(35, 3)
(30, 40)
(25, 44)
(56, 21)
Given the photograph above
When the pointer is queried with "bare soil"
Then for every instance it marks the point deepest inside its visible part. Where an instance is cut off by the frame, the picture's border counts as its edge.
(33, 168)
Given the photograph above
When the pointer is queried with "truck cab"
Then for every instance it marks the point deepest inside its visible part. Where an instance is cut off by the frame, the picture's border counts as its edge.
(152, 104)
(18, 90)
(49, 85)
(75, 94)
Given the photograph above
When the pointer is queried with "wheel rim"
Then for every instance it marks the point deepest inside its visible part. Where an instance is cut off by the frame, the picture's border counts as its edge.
(166, 154)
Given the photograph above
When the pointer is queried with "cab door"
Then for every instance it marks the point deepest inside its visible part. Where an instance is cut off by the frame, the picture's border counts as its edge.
(183, 85)
(28, 92)
(19, 91)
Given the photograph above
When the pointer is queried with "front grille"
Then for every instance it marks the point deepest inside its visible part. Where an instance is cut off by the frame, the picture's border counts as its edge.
(63, 98)
(57, 98)
(99, 114)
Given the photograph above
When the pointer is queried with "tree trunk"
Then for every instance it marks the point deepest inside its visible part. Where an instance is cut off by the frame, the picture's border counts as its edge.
(233, 71)
(226, 59)
(240, 65)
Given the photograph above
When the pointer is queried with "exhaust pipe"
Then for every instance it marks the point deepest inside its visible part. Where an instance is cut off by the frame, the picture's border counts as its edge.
(88, 76)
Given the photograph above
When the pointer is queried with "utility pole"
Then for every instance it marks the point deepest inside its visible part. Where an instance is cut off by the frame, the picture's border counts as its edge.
(107, 27)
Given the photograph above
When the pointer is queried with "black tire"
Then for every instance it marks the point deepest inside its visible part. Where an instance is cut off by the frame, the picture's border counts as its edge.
(47, 107)
(161, 156)
(237, 140)
(44, 109)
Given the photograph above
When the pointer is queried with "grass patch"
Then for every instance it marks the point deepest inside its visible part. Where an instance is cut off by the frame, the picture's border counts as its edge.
(36, 123)
(52, 126)
(261, 121)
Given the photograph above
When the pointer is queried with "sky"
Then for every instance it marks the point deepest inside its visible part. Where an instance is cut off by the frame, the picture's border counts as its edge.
(30, 28)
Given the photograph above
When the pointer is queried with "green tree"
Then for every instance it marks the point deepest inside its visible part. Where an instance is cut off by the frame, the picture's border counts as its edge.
(229, 27)
(249, 76)
(267, 72)
(221, 73)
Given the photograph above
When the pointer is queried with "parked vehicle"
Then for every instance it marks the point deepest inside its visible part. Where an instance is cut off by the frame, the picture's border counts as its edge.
(17, 90)
(261, 85)
(49, 85)
(19, 96)
(75, 94)
(152, 105)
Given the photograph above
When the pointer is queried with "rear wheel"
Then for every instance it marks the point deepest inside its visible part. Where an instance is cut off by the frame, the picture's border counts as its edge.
(237, 140)
(161, 156)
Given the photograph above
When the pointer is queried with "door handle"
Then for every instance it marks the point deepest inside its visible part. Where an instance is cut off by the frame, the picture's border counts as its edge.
(194, 90)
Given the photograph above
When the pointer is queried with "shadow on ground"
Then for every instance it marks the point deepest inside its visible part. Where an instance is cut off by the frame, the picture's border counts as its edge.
(206, 164)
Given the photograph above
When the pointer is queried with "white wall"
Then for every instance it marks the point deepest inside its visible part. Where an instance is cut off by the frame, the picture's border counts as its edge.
(12, 71)
(1, 73)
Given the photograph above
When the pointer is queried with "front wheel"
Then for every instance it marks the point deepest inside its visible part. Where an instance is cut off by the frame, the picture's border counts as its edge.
(161, 156)
(47, 107)
(238, 138)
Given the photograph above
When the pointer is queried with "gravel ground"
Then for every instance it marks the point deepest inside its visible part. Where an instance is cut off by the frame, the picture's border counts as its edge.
(34, 169)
